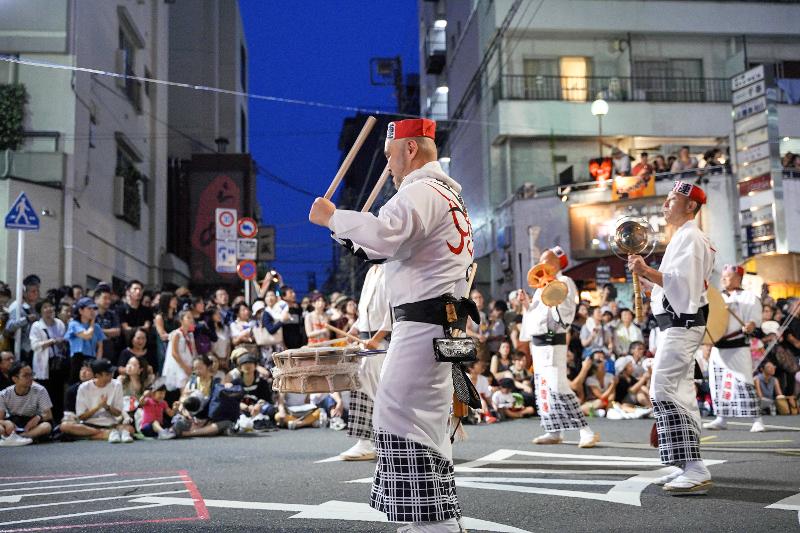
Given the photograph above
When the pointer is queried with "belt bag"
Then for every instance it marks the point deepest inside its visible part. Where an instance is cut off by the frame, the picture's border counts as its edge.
(455, 350)
(549, 339)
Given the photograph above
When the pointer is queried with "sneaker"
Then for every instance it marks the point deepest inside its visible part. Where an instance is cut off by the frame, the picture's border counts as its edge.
(615, 414)
(180, 424)
(125, 436)
(758, 427)
(166, 434)
(291, 424)
(15, 440)
(114, 437)
(548, 438)
(716, 424)
(337, 423)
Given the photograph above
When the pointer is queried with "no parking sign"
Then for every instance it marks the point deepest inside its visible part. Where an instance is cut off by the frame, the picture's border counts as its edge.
(247, 270)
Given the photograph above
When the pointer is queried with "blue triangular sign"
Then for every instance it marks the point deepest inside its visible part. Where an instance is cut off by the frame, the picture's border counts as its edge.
(22, 215)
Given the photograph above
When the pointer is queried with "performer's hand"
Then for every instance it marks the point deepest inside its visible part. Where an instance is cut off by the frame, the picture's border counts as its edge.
(749, 328)
(321, 212)
(636, 264)
(646, 284)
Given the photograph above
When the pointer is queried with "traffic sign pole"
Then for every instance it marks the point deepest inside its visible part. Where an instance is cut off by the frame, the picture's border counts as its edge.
(20, 273)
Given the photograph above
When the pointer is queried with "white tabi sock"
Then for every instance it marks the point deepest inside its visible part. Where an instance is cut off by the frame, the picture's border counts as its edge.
(444, 526)
(552, 435)
(696, 470)
(587, 432)
(719, 420)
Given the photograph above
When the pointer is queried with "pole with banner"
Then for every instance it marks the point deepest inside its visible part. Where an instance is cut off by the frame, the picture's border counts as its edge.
(21, 217)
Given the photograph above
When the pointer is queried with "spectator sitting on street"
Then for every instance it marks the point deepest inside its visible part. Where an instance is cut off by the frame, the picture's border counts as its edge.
(592, 334)
(577, 383)
(600, 388)
(6, 362)
(501, 361)
(508, 403)
(637, 351)
(71, 395)
(498, 332)
(295, 411)
(626, 333)
(487, 411)
(520, 374)
(84, 336)
(256, 404)
(134, 382)
(600, 356)
(768, 389)
(25, 405)
(99, 408)
(153, 408)
(631, 397)
(199, 420)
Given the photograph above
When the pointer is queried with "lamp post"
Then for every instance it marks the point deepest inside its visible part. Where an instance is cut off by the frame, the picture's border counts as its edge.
(599, 109)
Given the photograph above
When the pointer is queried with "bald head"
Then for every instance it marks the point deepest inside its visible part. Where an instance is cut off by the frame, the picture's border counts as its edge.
(409, 154)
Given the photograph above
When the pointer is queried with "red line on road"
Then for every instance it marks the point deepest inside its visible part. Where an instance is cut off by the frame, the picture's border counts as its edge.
(199, 502)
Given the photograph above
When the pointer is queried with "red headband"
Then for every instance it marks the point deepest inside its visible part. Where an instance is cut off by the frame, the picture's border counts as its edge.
(735, 269)
(562, 256)
(414, 127)
(693, 192)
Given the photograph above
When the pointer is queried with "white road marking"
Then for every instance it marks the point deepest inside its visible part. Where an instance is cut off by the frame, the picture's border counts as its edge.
(768, 426)
(73, 515)
(92, 484)
(717, 447)
(331, 510)
(540, 480)
(792, 503)
(71, 502)
(58, 479)
(17, 497)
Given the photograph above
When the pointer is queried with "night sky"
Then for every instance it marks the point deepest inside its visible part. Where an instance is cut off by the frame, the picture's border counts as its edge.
(319, 51)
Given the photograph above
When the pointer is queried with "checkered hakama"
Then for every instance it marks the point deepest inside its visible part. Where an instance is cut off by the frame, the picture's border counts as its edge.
(413, 483)
(359, 417)
(558, 410)
(733, 397)
(678, 433)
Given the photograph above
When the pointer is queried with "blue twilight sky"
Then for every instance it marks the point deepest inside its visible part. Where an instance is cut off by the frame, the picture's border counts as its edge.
(314, 50)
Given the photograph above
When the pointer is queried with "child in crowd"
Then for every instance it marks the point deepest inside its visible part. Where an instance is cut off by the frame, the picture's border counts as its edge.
(153, 407)
(508, 403)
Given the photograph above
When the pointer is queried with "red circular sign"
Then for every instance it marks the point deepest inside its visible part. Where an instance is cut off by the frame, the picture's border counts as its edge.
(247, 228)
(247, 270)
(226, 218)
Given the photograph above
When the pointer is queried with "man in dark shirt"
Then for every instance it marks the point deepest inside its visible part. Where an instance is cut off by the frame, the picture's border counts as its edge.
(134, 314)
(108, 321)
(6, 362)
(71, 396)
(293, 330)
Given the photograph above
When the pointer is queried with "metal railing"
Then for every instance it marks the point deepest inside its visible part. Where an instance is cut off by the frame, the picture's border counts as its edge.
(612, 88)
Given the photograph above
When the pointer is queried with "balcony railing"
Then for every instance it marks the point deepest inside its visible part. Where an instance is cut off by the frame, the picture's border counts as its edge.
(612, 88)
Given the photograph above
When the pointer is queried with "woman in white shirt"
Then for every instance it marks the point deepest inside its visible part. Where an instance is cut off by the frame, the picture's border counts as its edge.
(47, 342)
(626, 333)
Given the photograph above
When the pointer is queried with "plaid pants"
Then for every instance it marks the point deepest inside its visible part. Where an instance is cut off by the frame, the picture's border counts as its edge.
(359, 417)
(733, 397)
(557, 410)
(413, 483)
(678, 434)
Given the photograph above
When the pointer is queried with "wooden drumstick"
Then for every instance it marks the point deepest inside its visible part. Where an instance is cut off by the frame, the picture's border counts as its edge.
(739, 320)
(344, 334)
(351, 155)
(376, 189)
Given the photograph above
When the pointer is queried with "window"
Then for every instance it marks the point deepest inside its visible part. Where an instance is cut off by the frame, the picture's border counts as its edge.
(127, 58)
(574, 72)
(243, 66)
(127, 192)
(669, 80)
(243, 131)
(540, 79)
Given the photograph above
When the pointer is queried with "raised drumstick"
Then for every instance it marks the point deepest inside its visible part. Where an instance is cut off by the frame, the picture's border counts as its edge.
(376, 189)
(351, 155)
(344, 334)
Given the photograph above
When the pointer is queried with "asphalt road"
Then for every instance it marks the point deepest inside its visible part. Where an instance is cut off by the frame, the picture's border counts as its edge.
(276, 482)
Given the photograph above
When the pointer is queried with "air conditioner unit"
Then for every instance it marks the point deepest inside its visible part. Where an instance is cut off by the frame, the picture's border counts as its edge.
(119, 196)
(119, 67)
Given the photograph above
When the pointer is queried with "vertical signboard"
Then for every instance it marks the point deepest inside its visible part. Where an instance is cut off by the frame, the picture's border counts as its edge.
(757, 162)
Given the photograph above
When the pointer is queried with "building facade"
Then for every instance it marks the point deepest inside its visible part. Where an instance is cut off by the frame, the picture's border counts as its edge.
(520, 78)
(93, 160)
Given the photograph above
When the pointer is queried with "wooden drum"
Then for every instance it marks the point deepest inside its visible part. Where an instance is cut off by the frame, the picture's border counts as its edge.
(311, 369)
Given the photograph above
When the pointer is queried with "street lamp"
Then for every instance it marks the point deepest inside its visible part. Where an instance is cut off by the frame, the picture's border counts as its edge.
(599, 109)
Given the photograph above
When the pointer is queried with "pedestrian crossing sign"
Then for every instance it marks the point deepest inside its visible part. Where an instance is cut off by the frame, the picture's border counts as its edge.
(22, 215)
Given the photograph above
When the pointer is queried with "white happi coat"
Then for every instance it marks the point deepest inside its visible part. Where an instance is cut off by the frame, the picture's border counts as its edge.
(550, 361)
(373, 315)
(686, 266)
(739, 361)
(427, 241)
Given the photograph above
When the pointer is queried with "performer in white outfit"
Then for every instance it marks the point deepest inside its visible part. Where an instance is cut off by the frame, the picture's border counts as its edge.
(546, 329)
(679, 303)
(731, 372)
(425, 236)
(373, 325)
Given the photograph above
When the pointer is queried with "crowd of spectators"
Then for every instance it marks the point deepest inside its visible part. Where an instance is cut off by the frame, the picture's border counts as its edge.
(94, 364)
(680, 163)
